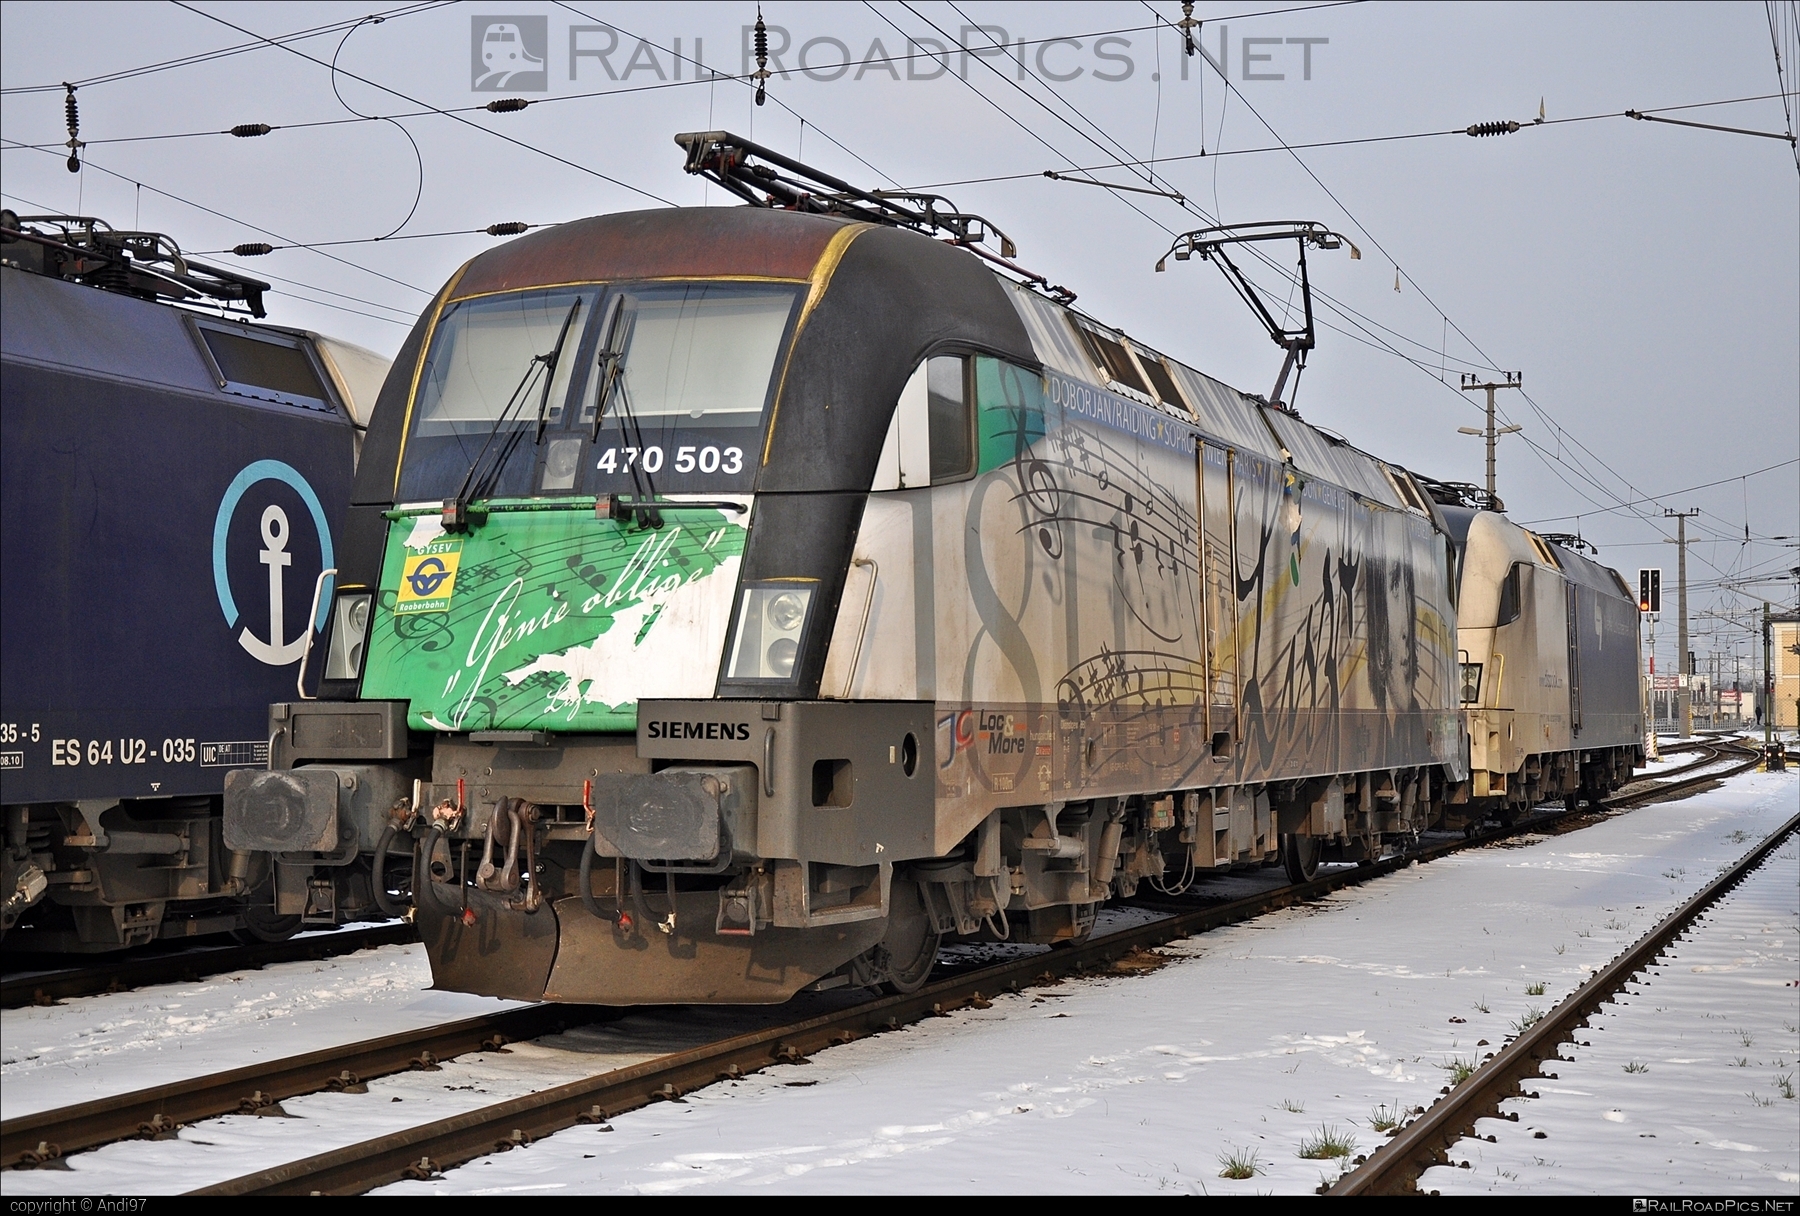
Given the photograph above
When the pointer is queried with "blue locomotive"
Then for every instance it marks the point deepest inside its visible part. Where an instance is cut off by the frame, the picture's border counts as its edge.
(171, 497)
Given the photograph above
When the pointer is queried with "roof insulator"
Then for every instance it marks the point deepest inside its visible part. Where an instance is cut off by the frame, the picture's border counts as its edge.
(252, 249)
(1492, 128)
(509, 228)
(249, 130)
(506, 105)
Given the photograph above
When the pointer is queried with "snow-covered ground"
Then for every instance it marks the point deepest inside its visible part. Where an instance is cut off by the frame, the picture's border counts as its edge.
(1689, 1079)
(1252, 1041)
(92, 1047)
(1260, 1038)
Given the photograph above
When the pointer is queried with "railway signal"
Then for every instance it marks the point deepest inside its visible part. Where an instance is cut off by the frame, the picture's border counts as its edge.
(1649, 590)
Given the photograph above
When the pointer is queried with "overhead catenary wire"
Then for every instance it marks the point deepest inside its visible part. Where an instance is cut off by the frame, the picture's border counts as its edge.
(89, 164)
(455, 117)
(316, 31)
(1400, 272)
(406, 317)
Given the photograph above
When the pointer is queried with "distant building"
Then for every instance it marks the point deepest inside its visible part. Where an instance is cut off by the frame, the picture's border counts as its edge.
(1785, 650)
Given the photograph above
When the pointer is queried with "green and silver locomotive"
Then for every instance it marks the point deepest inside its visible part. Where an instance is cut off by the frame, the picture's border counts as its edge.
(740, 600)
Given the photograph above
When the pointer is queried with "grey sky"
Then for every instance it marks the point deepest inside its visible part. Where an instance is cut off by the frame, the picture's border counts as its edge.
(1644, 277)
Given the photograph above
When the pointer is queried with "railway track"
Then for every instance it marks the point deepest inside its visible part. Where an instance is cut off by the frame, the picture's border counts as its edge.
(51, 986)
(1395, 1167)
(186, 966)
(421, 1150)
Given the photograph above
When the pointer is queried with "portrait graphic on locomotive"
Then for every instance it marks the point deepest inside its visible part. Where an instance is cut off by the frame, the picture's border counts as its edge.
(173, 485)
(782, 590)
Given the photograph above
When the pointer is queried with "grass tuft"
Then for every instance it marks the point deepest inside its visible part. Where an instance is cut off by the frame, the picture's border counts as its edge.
(1293, 1107)
(1240, 1163)
(1385, 1118)
(1536, 989)
(1525, 1021)
(1329, 1143)
(1460, 1070)
(1786, 1085)
(1637, 1066)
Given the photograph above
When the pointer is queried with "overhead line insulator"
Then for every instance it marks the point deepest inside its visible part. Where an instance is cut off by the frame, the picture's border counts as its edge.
(250, 130)
(509, 228)
(1492, 128)
(506, 105)
(252, 249)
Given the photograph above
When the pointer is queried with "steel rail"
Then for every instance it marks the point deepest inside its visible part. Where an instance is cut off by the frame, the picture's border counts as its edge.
(1395, 1167)
(1663, 790)
(32, 1139)
(430, 1148)
(47, 988)
(258, 1088)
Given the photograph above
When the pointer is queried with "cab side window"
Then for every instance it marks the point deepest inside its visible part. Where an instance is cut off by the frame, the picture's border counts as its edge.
(952, 420)
(1509, 597)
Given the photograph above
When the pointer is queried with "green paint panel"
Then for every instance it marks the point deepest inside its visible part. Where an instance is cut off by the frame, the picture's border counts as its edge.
(531, 586)
(1009, 411)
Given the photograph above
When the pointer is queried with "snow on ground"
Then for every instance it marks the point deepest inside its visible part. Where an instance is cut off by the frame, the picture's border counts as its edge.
(1254, 1039)
(1689, 1083)
(1258, 1039)
(93, 1047)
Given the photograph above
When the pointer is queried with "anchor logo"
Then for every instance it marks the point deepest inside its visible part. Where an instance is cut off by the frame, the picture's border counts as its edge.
(276, 533)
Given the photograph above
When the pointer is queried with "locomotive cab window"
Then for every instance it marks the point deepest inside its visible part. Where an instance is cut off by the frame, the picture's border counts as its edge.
(1510, 598)
(268, 366)
(656, 389)
(950, 407)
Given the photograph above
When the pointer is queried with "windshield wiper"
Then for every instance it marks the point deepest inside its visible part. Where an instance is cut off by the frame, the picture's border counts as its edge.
(473, 486)
(550, 369)
(613, 380)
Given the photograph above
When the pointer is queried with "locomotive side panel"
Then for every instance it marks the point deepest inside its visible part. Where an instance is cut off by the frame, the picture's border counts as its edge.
(1086, 633)
(161, 553)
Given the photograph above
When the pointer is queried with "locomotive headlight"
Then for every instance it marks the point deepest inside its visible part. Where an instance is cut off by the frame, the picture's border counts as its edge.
(786, 611)
(771, 624)
(1471, 683)
(349, 632)
(780, 656)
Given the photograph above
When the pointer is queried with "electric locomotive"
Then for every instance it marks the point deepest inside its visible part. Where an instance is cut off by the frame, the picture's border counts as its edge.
(783, 590)
(173, 487)
(1548, 650)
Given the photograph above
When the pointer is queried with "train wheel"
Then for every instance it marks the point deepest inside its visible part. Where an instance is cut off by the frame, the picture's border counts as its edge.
(1300, 854)
(261, 924)
(905, 955)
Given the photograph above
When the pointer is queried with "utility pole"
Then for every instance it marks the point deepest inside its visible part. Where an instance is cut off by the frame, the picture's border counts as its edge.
(1684, 663)
(1772, 755)
(1469, 385)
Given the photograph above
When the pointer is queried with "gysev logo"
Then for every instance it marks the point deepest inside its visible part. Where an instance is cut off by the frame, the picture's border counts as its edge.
(428, 578)
(276, 533)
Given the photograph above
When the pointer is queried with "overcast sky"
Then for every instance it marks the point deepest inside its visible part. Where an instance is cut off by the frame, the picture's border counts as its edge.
(1644, 277)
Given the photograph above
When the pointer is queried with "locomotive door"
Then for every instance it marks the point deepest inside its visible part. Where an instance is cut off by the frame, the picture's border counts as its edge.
(1573, 612)
(1218, 576)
